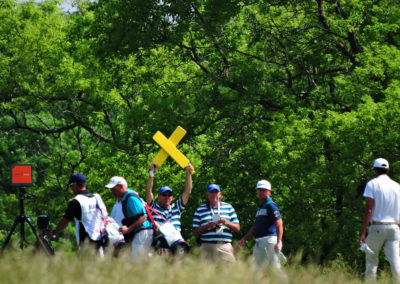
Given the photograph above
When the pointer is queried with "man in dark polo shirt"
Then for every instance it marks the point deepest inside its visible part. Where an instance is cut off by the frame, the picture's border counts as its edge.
(267, 229)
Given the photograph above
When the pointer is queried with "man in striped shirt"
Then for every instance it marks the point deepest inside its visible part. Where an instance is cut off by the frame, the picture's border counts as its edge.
(213, 224)
(167, 210)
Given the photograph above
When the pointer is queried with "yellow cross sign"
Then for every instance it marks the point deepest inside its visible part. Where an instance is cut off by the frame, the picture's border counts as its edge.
(168, 148)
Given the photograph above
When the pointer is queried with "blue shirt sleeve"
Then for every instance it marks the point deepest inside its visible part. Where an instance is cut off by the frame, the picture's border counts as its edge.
(273, 211)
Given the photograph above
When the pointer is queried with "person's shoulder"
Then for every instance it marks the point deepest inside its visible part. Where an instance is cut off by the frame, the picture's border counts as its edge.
(180, 199)
(203, 206)
(271, 201)
(227, 207)
(372, 182)
(157, 206)
(86, 193)
(383, 179)
(153, 203)
(396, 184)
(81, 196)
(130, 194)
(272, 205)
(226, 204)
(74, 201)
(178, 202)
(96, 195)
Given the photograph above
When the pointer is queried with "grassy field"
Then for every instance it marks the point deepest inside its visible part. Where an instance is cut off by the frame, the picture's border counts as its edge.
(27, 267)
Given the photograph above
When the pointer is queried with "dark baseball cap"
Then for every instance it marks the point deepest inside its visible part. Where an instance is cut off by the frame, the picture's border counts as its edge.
(212, 187)
(164, 189)
(77, 178)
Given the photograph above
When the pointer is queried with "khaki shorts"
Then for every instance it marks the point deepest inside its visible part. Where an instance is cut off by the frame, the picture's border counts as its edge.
(218, 251)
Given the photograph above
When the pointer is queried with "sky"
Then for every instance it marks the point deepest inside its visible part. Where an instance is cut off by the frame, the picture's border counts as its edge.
(66, 5)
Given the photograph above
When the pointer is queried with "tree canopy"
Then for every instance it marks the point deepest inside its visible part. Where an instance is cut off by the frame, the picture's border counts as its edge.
(305, 94)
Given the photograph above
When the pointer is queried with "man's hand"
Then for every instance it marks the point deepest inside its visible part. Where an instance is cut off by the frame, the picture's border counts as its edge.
(242, 242)
(278, 246)
(123, 230)
(211, 225)
(222, 221)
(153, 168)
(190, 169)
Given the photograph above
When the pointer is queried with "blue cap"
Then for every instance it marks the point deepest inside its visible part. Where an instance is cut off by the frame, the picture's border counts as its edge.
(164, 189)
(77, 178)
(212, 187)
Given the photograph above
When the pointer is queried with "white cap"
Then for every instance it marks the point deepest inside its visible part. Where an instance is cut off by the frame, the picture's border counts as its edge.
(381, 163)
(263, 184)
(116, 180)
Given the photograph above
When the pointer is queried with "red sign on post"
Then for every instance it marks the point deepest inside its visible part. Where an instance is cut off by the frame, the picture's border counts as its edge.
(21, 175)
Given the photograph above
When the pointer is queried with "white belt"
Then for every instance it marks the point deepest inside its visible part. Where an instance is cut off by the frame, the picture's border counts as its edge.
(265, 237)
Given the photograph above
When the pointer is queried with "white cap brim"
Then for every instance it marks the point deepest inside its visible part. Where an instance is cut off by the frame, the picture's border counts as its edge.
(111, 185)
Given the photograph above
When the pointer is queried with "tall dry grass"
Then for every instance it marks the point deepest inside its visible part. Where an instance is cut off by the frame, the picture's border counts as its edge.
(29, 267)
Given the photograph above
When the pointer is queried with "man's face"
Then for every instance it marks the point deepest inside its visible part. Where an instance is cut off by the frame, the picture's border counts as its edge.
(213, 196)
(117, 191)
(165, 199)
(75, 188)
(263, 193)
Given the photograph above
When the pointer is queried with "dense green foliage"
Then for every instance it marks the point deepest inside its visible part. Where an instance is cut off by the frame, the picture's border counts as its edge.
(303, 93)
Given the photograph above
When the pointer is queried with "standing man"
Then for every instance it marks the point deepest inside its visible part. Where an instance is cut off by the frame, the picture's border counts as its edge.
(164, 207)
(382, 212)
(267, 229)
(136, 226)
(86, 208)
(213, 223)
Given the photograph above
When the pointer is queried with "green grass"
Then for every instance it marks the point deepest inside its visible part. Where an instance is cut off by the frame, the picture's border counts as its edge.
(27, 267)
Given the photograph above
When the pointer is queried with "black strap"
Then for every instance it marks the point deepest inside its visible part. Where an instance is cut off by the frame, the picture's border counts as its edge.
(128, 220)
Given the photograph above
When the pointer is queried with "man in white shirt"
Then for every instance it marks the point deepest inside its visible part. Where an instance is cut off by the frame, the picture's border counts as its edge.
(383, 213)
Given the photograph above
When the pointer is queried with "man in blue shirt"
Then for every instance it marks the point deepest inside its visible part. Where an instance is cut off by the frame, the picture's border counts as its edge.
(166, 209)
(267, 229)
(136, 221)
(213, 224)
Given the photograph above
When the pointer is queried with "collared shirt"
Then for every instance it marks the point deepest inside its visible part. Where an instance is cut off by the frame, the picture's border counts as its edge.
(135, 206)
(203, 215)
(266, 216)
(172, 214)
(386, 195)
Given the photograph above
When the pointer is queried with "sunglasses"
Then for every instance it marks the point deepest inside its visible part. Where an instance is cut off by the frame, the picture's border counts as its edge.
(166, 194)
